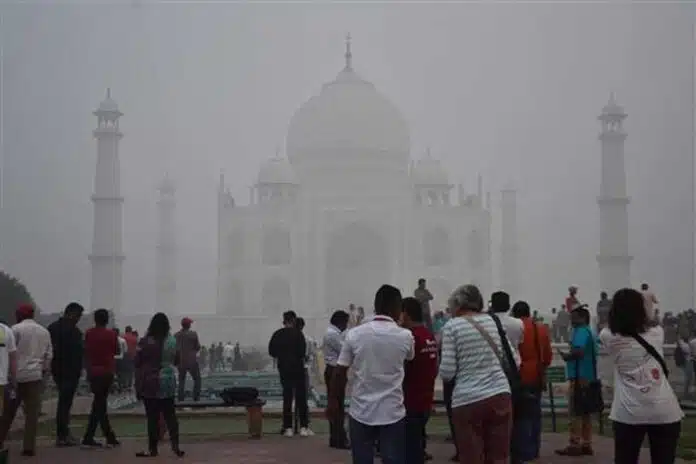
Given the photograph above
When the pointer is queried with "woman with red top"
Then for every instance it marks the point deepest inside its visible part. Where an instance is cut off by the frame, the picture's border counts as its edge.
(101, 347)
(419, 380)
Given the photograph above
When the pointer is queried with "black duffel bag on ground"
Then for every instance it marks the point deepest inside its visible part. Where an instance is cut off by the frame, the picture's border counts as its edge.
(239, 395)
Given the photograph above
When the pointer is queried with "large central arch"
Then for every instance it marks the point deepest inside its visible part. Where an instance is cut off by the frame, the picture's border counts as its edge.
(357, 264)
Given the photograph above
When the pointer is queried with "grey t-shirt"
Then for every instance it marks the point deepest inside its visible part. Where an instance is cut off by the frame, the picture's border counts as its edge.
(187, 344)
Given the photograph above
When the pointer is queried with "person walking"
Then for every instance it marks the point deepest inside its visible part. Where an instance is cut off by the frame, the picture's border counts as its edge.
(331, 348)
(288, 348)
(644, 402)
(34, 354)
(101, 349)
(375, 351)
(155, 380)
(188, 346)
(66, 368)
(423, 295)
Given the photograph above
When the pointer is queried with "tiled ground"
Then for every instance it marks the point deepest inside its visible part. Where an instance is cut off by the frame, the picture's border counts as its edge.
(276, 450)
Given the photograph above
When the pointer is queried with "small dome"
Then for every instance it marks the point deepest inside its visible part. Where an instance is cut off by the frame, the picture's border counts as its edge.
(612, 109)
(108, 105)
(428, 171)
(277, 171)
(167, 186)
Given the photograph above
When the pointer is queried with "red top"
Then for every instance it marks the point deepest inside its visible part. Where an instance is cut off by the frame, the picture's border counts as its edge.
(131, 342)
(535, 352)
(101, 345)
(419, 382)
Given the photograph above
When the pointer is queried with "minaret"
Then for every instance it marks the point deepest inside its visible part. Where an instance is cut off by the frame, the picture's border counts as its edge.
(613, 259)
(107, 250)
(348, 55)
(508, 242)
(165, 298)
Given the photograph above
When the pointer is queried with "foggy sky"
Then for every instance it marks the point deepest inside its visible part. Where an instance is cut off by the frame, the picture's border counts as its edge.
(508, 90)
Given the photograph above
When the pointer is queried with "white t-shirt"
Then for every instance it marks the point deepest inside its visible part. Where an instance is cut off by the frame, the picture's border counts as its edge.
(228, 351)
(376, 351)
(34, 350)
(122, 348)
(649, 300)
(514, 329)
(642, 394)
(7, 346)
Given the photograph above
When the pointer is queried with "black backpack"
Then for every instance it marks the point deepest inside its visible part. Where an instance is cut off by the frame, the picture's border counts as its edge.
(679, 356)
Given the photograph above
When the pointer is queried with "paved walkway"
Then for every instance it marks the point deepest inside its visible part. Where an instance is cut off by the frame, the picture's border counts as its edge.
(278, 450)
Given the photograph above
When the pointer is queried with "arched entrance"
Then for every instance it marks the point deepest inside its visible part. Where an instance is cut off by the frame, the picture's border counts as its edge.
(357, 264)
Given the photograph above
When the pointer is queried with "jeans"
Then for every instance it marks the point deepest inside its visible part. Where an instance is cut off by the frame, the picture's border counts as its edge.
(195, 372)
(29, 395)
(337, 431)
(688, 376)
(67, 387)
(663, 439)
(415, 437)
(392, 448)
(293, 384)
(526, 434)
(100, 386)
(154, 409)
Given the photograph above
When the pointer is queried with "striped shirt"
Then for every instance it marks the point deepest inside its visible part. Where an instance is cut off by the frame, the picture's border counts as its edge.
(469, 360)
(331, 346)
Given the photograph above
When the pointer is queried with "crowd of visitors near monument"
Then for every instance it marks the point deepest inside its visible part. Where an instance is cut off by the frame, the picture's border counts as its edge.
(492, 360)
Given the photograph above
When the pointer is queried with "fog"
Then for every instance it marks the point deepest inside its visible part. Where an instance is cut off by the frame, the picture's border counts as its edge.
(509, 91)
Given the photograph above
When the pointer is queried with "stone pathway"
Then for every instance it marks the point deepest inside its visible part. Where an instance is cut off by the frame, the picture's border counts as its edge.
(278, 450)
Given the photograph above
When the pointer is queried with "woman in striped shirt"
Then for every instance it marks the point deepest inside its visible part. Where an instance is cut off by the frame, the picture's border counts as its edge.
(481, 402)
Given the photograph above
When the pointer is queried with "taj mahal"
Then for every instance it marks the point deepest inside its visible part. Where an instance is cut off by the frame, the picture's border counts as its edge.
(346, 209)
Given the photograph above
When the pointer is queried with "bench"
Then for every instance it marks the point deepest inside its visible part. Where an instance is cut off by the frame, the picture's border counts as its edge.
(254, 410)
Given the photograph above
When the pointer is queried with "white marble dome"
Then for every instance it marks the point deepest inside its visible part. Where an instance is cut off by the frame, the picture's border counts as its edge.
(348, 115)
(428, 171)
(277, 171)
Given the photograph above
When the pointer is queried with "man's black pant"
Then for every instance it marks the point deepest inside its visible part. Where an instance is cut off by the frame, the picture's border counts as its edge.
(337, 431)
(155, 408)
(662, 438)
(67, 387)
(195, 372)
(294, 385)
(415, 436)
(99, 416)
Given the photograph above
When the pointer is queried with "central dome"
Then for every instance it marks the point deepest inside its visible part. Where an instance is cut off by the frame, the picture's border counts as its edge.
(348, 117)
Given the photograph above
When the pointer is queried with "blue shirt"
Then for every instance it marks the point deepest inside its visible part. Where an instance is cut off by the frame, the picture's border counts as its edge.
(582, 338)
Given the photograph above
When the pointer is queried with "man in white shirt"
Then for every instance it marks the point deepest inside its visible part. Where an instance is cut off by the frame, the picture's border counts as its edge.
(34, 354)
(376, 352)
(514, 327)
(120, 358)
(650, 301)
(331, 349)
(8, 360)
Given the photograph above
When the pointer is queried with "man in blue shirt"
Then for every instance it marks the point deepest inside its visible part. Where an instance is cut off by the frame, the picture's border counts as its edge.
(580, 370)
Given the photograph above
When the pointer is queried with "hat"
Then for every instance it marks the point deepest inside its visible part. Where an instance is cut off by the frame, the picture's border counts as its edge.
(25, 311)
(186, 321)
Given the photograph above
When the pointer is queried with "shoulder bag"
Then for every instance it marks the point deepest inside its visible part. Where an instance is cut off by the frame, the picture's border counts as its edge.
(587, 397)
(652, 352)
(522, 399)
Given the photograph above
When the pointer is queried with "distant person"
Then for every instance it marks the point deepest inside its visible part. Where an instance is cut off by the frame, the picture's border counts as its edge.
(684, 358)
(581, 370)
(131, 338)
(603, 308)
(419, 381)
(120, 362)
(572, 302)
(8, 369)
(66, 368)
(331, 349)
(101, 346)
(535, 358)
(644, 402)
(375, 351)
(188, 346)
(289, 348)
(309, 343)
(228, 355)
(34, 354)
(650, 301)
(423, 295)
(155, 365)
(563, 325)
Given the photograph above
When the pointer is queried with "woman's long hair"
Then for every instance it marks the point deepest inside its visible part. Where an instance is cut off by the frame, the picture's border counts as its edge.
(627, 314)
(159, 327)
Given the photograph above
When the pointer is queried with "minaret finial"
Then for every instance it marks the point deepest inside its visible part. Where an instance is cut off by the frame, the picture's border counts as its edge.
(427, 153)
(108, 92)
(277, 153)
(349, 54)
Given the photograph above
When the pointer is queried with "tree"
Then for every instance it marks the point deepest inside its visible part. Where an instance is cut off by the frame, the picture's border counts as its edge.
(13, 293)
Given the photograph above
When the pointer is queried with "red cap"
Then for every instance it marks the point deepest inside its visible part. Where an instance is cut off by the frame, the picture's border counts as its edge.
(25, 311)
(186, 321)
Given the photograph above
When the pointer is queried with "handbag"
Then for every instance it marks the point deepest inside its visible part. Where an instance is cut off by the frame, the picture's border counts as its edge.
(652, 352)
(522, 399)
(588, 398)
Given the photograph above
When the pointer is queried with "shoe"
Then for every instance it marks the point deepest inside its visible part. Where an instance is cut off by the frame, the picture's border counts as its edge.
(454, 458)
(306, 432)
(178, 453)
(113, 443)
(587, 450)
(427, 457)
(91, 444)
(146, 454)
(570, 450)
(28, 453)
(66, 442)
(288, 433)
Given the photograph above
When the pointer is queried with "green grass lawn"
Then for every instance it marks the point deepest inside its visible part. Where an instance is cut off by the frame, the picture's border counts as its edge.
(219, 426)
